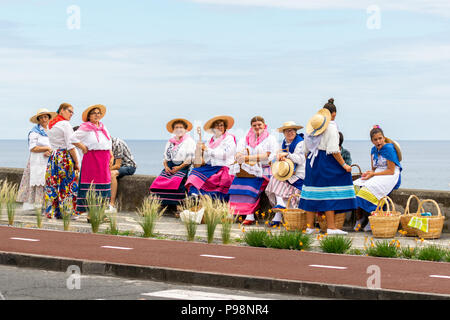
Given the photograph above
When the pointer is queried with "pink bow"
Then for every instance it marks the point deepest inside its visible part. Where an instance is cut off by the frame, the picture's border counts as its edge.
(89, 126)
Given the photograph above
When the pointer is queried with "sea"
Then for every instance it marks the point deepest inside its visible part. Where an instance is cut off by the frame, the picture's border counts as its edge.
(426, 164)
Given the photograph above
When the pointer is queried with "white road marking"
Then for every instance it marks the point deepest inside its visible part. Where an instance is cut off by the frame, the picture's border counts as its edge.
(219, 257)
(118, 248)
(25, 239)
(327, 267)
(197, 295)
(439, 276)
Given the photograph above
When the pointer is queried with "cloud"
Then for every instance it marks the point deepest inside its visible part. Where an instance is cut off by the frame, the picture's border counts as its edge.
(435, 7)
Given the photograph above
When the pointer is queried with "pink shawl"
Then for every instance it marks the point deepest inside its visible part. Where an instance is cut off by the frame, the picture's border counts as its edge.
(89, 126)
(251, 139)
(213, 144)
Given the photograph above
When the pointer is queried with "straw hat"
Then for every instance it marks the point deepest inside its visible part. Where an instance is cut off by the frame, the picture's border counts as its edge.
(396, 146)
(283, 170)
(289, 125)
(227, 119)
(99, 106)
(41, 112)
(170, 124)
(319, 122)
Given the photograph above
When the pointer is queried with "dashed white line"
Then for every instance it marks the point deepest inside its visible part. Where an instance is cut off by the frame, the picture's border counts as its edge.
(219, 257)
(327, 267)
(197, 295)
(25, 239)
(118, 248)
(439, 276)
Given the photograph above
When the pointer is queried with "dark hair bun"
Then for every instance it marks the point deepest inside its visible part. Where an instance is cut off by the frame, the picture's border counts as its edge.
(331, 100)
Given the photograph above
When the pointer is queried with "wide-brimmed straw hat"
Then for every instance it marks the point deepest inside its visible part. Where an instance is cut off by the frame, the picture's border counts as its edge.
(101, 107)
(283, 170)
(169, 125)
(40, 112)
(319, 122)
(396, 146)
(289, 125)
(227, 119)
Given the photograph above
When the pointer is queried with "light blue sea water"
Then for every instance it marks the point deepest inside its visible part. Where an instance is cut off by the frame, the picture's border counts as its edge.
(426, 164)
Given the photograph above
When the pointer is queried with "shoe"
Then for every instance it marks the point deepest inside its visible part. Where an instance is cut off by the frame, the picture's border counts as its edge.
(311, 231)
(111, 209)
(274, 223)
(74, 217)
(367, 228)
(336, 231)
(248, 222)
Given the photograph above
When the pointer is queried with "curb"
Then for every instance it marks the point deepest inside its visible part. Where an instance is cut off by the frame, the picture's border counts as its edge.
(302, 288)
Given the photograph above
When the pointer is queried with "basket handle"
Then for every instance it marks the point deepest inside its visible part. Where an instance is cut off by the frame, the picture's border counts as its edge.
(384, 200)
(409, 200)
(355, 165)
(290, 199)
(432, 201)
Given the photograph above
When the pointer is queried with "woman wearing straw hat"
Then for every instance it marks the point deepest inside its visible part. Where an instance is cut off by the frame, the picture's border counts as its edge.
(31, 190)
(328, 185)
(288, 171)
(254, 154)
(178, 157)
(384, 177)
(61, 174)
(213, 178)
(94, 140)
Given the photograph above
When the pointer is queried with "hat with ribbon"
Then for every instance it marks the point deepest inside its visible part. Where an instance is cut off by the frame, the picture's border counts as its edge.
(283, 170)
(318, 123)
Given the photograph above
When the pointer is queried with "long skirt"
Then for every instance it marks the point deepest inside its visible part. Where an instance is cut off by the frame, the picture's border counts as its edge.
(30, 196)
(374, 189)
(245, 194)
(94, 171)
(214, 181)
(60, 184)
(327, 186)
(170, 188)
(284, 190)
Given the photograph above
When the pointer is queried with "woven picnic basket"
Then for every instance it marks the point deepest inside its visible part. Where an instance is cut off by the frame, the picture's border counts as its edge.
(384, 224)
(294, 219)
(339, 219)
(243, 173)
(435, 223)
(404, 218)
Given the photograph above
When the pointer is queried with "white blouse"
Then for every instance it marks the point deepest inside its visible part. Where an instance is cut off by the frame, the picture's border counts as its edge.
(223, 154)
(329, 140)
(89, 139)
(184, 153)
(37, 140)
(59, 136)
(298, 157)
(38, 161)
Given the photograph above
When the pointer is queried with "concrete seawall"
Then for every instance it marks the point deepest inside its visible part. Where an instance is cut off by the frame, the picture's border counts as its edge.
(133, 189)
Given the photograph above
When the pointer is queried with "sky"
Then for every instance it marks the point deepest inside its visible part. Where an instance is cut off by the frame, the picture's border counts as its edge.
(384, 62)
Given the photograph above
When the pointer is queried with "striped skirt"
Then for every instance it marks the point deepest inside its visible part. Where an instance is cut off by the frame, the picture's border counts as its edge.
(61, 186)
(169, 187)
(327, 186)
(94, 171)
(245, 194)
(283, 189)
(214, 181)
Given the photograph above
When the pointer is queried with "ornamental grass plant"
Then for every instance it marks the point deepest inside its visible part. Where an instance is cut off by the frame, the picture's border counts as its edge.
(96, 207)
(256, 238)
(10, 201)
(190, 204)
(335, 244)
(432, 253)
(149, 213)
(212, 215)
(67, 212)
(3, 191)
(292, 240)
(38, 214)
(385, 249)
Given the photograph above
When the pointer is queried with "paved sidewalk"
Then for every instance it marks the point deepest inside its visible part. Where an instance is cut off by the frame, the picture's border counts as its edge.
(170, 227)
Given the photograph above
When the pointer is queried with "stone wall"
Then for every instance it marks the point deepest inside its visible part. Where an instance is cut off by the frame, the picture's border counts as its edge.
(132, 189)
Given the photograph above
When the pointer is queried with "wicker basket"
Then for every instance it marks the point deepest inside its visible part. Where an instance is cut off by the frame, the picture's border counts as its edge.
(356, 176)
(435, 223)
(294, 219)
(243, 173)
(384, 226)
(339, 219)
(404, 218)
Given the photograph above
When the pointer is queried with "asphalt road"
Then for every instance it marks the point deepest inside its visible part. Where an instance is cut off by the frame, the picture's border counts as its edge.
(394, 274)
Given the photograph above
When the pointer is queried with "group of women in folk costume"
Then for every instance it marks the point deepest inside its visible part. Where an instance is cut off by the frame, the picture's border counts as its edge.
(62, 185)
